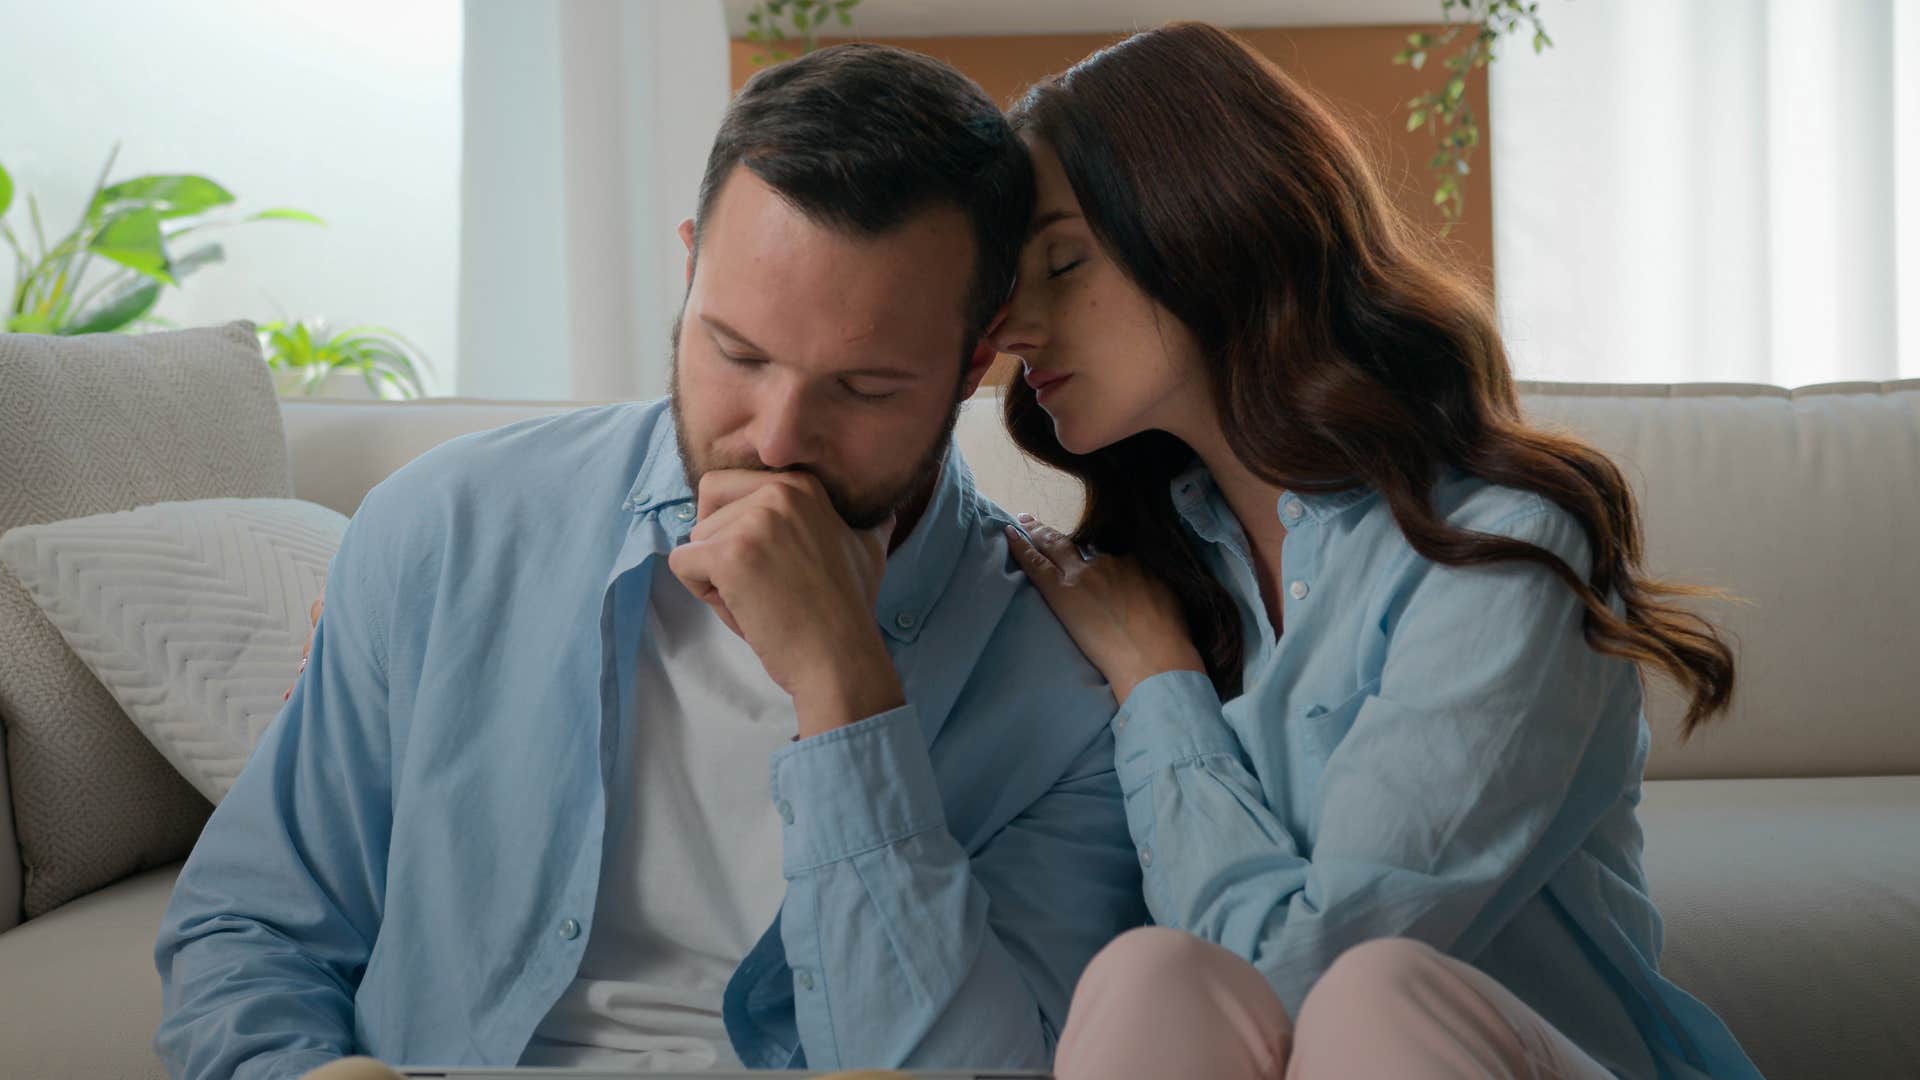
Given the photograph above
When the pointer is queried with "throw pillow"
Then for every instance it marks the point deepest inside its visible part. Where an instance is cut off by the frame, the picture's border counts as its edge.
(191, 614)
(89, 425)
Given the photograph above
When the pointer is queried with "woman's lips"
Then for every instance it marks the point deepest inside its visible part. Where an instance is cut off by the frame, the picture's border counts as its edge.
(1043, 382)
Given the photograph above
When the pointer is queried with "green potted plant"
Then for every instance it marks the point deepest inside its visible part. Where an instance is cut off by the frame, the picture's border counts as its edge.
(307, 358)
(1445, 113)
(784, 24)
(135, 230)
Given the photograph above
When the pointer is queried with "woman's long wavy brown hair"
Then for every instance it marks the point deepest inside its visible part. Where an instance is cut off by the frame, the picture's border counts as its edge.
(1342, 350)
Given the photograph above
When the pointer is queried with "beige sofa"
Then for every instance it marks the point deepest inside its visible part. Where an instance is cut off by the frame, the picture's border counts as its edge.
(1783, 846)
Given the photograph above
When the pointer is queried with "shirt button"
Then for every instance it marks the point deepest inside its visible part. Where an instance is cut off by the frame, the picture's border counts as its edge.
(1119, 724)
(569, 929)
(904, 620)
(1297, 590)
(684, 512)
(1146, 856)
(804, 978)
(1292, 509)
(786, 811)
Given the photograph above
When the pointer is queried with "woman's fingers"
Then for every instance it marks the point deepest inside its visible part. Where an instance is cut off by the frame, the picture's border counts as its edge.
(1058, 546)
(1039, 567)
(313, 620)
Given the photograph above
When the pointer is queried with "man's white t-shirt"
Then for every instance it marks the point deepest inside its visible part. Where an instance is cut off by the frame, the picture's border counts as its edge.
(692, 877)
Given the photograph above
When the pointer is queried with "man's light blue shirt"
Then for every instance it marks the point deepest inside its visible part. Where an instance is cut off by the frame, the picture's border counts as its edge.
(1426, 751)
(407, 866)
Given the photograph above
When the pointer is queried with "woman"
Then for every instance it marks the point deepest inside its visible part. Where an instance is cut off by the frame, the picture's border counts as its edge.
(1377, 643)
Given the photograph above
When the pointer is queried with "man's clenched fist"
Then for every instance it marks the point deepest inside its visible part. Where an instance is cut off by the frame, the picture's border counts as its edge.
(785, 572)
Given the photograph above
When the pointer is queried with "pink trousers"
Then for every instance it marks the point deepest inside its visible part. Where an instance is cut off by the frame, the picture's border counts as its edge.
(1159, 1004)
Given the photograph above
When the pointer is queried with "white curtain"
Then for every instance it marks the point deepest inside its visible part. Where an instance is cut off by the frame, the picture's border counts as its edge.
(1715, 190)
(586, 124)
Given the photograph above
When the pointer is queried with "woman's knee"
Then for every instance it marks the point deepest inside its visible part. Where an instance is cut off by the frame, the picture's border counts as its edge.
(1398, 1007)
(1160, 1002)
(1153, 950)
(1149, 961)
(1373, 976)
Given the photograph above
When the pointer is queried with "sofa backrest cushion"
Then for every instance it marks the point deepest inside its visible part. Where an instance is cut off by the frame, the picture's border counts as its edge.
(1805, 505)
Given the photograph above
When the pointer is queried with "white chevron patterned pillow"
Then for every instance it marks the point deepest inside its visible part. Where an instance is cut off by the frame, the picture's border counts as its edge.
(192, 614)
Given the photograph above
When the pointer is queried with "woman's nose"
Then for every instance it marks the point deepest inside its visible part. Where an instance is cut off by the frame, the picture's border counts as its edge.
(1016, 332)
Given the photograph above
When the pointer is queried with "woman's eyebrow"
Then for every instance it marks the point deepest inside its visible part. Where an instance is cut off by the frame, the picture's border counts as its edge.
(1041, 221)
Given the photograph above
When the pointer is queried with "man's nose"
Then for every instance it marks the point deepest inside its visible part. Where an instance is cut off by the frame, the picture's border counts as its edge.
(782, 433)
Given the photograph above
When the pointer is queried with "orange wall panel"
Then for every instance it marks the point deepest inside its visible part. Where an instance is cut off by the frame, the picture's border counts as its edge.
(1351, 66)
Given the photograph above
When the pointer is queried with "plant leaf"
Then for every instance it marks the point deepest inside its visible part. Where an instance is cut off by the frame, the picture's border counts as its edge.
(133, 240)
(124, 305)
(169, 196)
(204, 255)
(6, 190)
(286, 213)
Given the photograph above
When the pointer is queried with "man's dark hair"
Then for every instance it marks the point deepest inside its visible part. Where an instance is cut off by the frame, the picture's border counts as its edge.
(860, 137)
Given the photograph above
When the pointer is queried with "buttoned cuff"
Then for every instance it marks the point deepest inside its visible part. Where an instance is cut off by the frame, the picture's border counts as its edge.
(855, 789)
(1170, 718)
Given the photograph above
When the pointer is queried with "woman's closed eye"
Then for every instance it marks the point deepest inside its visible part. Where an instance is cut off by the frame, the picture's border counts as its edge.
(1056, 271)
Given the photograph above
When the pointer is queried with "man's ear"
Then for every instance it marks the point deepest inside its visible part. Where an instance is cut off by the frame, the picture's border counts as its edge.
(977, 366)
(984, 352)
(686, 237)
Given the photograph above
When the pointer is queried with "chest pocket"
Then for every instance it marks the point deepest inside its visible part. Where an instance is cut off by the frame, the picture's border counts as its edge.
(1321, 730)
(1326, 725)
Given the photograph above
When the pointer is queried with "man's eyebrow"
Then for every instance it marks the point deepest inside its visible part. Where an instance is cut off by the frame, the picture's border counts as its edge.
(713, 323)
(1041, 221)
(717, 325)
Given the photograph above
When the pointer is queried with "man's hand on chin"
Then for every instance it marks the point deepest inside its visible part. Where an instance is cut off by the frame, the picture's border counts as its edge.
(775, 561)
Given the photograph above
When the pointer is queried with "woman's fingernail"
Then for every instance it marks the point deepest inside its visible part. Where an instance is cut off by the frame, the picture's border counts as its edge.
(1026, 517)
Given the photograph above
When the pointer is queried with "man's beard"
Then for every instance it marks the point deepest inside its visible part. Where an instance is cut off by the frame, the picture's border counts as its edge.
(860, 513)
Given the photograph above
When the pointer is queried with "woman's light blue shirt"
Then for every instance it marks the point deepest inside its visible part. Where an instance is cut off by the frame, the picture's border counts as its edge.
(1428, 752)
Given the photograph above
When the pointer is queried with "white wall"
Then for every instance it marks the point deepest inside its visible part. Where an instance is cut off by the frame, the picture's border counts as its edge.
(1721, 191)
(587, 128)
(513, 281)
(349, 109)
